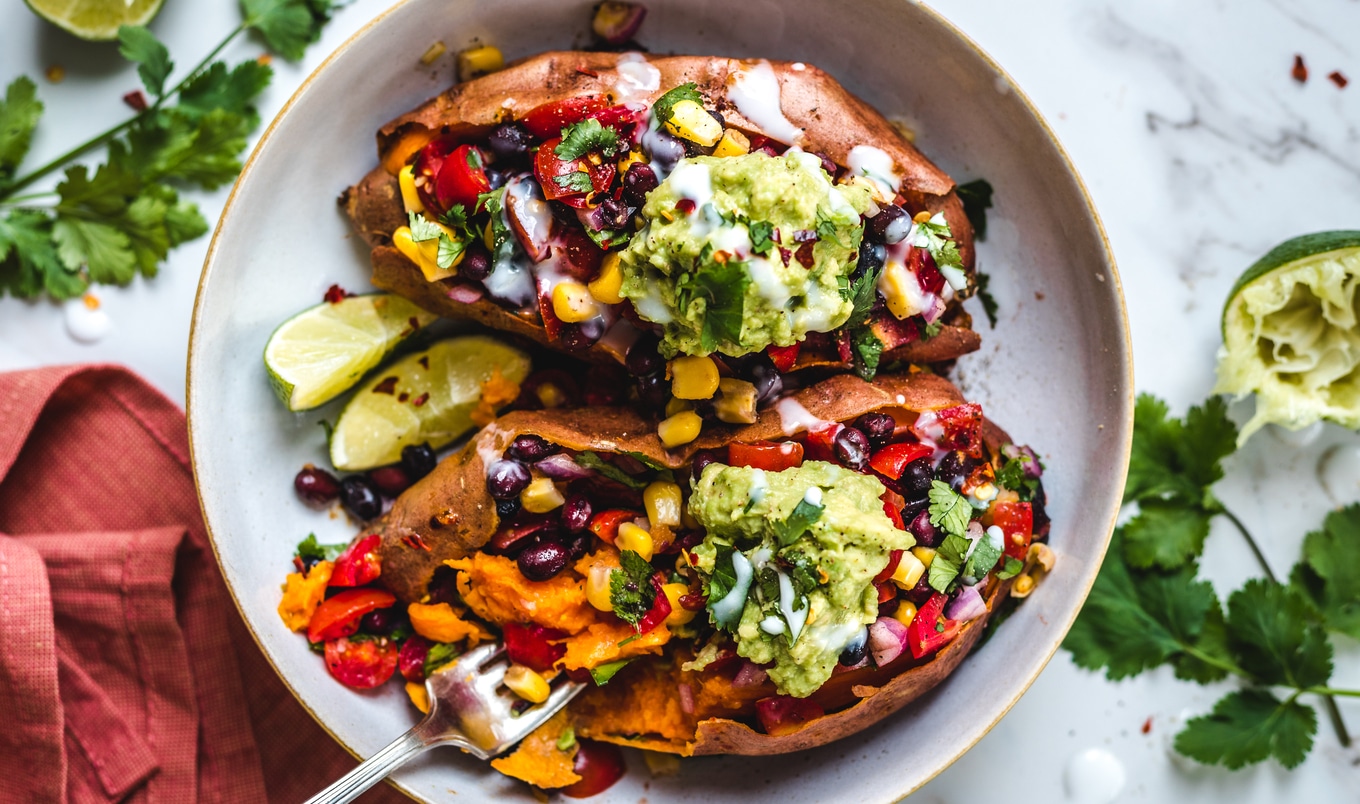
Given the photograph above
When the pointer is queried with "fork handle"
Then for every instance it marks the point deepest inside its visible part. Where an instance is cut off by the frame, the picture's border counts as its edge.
(375, 768)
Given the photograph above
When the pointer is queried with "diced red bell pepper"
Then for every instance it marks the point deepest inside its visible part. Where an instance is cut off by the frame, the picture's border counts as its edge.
(531, 645)
(359, 565)
(557, 175)
(784, 714)
(894, 559)
(661, 606)
(893, 332)
(428, 162)
(952, 428)
(891, 460)
(920, 263)
(894, 513)
(552, 325)
(1016, 520)
(772, 456)
(547, 120)
(930, 630)
(619, 118)
(599, 765)
(605, 524)
(886, 592)
(411, 657)
(843, 348)
(462, 178)
(361, 665)
(339, 615)
(784, 357)
(821, 442)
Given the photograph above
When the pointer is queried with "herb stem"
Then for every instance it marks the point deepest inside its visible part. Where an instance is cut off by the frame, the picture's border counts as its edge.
(1251, 543)
(29, 197)
(1333, 691)
(104, 138)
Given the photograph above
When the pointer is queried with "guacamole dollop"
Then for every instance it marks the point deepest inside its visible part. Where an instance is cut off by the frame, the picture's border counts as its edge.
(805, 544)
(741, 252)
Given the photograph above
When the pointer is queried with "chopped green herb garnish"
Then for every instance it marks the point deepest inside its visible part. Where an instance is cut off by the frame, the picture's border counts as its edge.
(792, 527)
(630, 588)
(664, 106)
(592, 461)
(578, 181)
(579, 139)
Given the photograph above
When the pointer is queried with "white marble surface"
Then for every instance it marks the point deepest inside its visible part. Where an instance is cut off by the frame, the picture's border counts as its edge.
(1200, 151)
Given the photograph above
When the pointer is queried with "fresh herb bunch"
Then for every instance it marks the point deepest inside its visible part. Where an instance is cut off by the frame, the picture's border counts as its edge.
(108, 223)
(1148, 607)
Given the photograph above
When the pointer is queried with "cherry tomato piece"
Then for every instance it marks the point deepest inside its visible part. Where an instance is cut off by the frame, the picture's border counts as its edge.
(361, 665)
(547, 120)
(893, 458)
(359, 564)
(772, 456)
(620, 118)
(531, 645)
(661, 606)
(784, 714)
(426, 166)
(930, 630)
(570, 181)
(462, 178)
(599, 765)
(606, 523)
(784, 357)
(411, 657)
(821, 442)
(339, 615)
(1016, 520)
(952, 428)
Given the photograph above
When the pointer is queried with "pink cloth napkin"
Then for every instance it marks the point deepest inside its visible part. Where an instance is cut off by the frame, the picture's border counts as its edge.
(126, 673)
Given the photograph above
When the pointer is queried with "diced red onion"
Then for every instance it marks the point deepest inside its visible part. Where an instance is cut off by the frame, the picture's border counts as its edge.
(966, 605)
(935, 310)
(887, 640)
(750, 675)
(616, 23)
(1033, 469)
(465, 294)
(562, 467)
(686, 698)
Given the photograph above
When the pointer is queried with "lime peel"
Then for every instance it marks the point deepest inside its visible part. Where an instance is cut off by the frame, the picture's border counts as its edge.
(1291, 337)
(95, 20)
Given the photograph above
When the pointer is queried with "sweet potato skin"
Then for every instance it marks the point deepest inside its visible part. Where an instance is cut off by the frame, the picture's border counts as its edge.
(832, 119)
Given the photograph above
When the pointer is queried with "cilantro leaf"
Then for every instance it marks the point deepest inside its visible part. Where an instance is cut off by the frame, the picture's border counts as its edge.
(1013, 475)
(592, 461)
(868, 352)
(1247, 727)
(792, 527)
(762, 233)
(1211, 657)
(630, 588)
(29, 263)
(863, 293)
(310, 548)
(989, 305)
(441, 653)
(19, 114)
(724, 576)
(1175, 459)
(948, 562)
(976, 196)
(721, 288)
(939, 242)
(137, 44)
(948, 509)
(1270, 632)
(578, 181)
(567, 739)
(287, 26)
(1329, 575)
(1165, 534)
(931, 330)
(579, 139)
(449, 250)
(99, 248)
(985, 555)
(802, 572)
(234, 90)
(1010, 568)
(422, 228)
(664, 106)
(826, 229)
(175, 145)
(601, 674)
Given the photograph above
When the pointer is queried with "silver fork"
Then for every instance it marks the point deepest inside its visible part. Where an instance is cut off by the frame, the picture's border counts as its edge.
(469, 708)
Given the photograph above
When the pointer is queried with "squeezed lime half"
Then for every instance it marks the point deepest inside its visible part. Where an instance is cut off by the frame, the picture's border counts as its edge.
(427, 396)
(1290, 334)
(96, 20)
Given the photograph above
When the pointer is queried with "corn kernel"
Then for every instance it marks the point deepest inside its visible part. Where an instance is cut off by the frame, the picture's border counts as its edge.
(632, 537)
(633, 157)
(922, 217)
(432, 53)
(419, 696)
(985, 492)
(906, 612)
(924, 554)
(1022, 586)
(909, 571)
(541, 496)
(690, 121)
(681, 428)
(733, 143)
(660, 764)
(527, 684)
(479, 61)
(425, 254)
(901, 291)
(737, 401)
(674, 406)
(662, 501)
(410, 198)
(597, 587)
(489, 237)
(572, 302)
(605, 287)
(679, 614)
(694, 377)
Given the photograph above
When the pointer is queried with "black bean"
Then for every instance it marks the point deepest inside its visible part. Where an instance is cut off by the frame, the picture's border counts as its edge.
(921, 592)
(316, 486)
(926, 534)
(702, 459)
(653, 391)
(530, 448)
(916, 478)
(613, 214)
(506, 479)
(889, 223)
(878, 427)
(418, 460)
(871, 258)
(390, 480)
(576, 513)
(954, 468)
(476, 264)
(360, 497)
(507, 508)
(637, 182)
(381, 622)
(767, 380)
(855, 652)
(510, 140)
(852, 449)
(575, 338)
(643, 358)
(540, 562)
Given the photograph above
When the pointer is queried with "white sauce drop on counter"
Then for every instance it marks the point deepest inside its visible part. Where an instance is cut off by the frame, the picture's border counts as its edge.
(729, 608)
(755, 91)
(874, 164)
(86, 322)
(637, 78)
(1093, 776)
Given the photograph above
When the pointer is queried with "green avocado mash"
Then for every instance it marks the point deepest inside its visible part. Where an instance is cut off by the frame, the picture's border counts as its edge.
(805, 558)
(722, 270)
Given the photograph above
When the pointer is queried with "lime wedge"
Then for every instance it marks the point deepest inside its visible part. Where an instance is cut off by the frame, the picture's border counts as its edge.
(426, 396)
(1290, 334)
(322, 351)
(95, 19)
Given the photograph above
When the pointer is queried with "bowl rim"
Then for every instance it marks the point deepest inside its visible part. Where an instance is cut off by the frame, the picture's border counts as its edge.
(1126, 353)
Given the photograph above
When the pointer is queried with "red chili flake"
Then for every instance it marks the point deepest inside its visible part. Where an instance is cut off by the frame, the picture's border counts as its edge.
(585, 71)
(336, 294)
(387, 386)
(1300, 71)
(684, 206)
(1147, 726)
(1337, 78)
(692, 602)
(136, 99)
(424, 362)
(420, 400)
(403, 396)
(804, 255)
(785, 254)
(264, 58)
(415, 541)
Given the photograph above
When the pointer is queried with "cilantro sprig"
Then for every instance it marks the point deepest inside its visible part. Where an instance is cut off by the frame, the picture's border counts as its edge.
(579, 139)
(664, 108)
(110, 222)
(630, 588)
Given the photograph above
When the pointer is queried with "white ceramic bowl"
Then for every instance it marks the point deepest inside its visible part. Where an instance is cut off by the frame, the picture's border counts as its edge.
(1055, 371)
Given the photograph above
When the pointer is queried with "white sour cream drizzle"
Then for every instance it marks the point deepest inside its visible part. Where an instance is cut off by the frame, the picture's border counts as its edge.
(875, 165)
(813, 496)
(772, 625)
(834, 637)
(729, 608)
(759, 485)
(755, 91)
(794, 418)
(693, 180)
(637, 78)
(787, 599)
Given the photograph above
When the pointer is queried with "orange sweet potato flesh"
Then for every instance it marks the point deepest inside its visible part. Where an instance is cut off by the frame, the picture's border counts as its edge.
(832, 119)
(538, 761)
